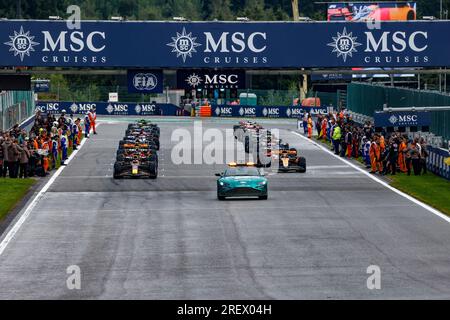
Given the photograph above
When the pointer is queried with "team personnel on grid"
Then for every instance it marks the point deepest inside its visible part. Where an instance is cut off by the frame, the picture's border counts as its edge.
(310, 126)
(87, 125)
(92, 118)
(375, 155)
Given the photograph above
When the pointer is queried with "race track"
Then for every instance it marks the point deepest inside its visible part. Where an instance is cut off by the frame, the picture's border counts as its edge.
(171, 238)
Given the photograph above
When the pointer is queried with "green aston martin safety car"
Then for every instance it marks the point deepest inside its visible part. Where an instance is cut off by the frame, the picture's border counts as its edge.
(242, 180)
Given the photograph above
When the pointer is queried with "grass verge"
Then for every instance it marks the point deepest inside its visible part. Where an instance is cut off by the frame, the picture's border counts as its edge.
(428, 188)
(11, 192)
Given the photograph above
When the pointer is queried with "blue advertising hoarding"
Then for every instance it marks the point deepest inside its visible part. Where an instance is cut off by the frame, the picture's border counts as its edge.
(145, 81)
(137, 44)
(191, 79)
(41, 85)
(225, 111)
(110, 108)
(402, 119)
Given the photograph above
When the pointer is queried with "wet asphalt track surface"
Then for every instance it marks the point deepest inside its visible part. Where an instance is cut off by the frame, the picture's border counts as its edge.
(171, 239)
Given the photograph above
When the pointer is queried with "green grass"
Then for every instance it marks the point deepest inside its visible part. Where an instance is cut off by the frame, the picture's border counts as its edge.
(11, 192)
(429, 188)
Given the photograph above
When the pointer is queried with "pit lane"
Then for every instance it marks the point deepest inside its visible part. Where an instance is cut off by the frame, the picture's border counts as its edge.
(171, 239)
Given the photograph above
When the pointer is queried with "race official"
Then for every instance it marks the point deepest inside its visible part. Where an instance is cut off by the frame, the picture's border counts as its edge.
(336, 137)
(310, 126)
(92, 118)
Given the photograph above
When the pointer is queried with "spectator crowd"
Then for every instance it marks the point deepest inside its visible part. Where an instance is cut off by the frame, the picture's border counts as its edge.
(383, 152)
(41, 149)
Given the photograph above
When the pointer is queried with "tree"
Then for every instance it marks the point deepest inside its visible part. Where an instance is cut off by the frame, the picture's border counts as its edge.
(220, 10)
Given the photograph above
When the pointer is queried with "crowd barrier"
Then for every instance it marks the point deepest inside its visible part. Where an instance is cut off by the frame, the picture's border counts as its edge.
(436, 162)
(111, 108)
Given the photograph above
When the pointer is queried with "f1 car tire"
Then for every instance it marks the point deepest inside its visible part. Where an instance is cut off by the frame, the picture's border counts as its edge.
(247, 144)
(221, 198)
(263, 197)
(117, 170)
(302, 164)
(153, 170)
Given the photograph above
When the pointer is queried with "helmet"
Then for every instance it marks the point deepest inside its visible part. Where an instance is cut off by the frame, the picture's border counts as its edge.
(63, 111)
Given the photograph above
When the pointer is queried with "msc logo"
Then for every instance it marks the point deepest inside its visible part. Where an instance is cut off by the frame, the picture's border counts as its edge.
(184, 44)
(76, 40)
(145, 109)
(296, 112)
(74, 108)
(117, 108)
(393, 119)
(81, 107)
(344, 44)
(398, 42)
(271, 112)
(21, 43)
(224, 111)
(247, 111)
(145, 81)
(48, 107)
(194, 80)
(409, 119)
(217, 80)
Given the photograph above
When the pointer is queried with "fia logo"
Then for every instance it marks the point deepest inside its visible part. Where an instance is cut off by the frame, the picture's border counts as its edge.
(21, 43)
(344, 44)
(145, 81)
(184, 44)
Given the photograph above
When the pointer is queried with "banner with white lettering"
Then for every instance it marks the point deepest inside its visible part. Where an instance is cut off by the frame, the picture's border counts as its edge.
(402, 119)
(210, 79)
(151, 44)
(265, 111)
(111, 108)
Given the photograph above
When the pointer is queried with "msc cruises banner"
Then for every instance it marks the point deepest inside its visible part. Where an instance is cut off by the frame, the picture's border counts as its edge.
(225, 44)
(265, 111)
(110, 108)
(402, 119)
(210, 79)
